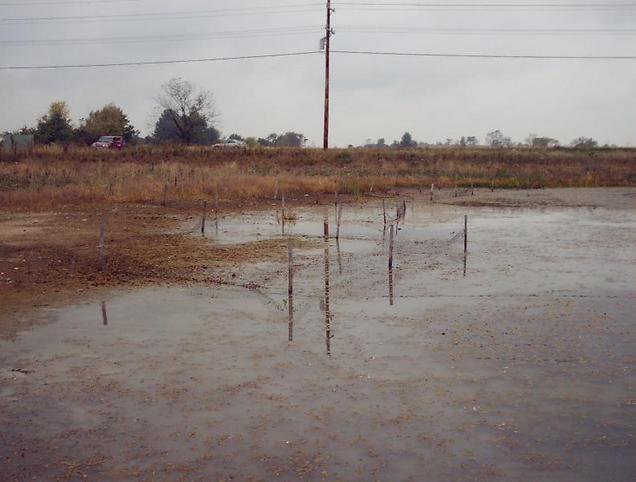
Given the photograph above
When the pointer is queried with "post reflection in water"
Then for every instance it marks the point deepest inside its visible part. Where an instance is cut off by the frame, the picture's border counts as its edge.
(290, 291)
(465, 261)
(391, 286)
(327, 300)
(104, 315)
(339, 256)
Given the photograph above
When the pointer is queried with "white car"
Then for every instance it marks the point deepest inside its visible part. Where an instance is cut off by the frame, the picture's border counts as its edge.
(231, 144)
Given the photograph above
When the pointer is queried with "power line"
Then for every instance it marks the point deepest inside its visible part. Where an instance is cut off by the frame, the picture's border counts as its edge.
(218, 12)
(159, 62)
(312, 52)
(478, 31)
(487, 56)
(226, 34)
(62, 2)
(544, 5)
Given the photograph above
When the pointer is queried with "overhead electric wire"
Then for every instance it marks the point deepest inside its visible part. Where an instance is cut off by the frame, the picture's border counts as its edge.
(217, 12)
(312, 52)
(487, 56)
(226, 34)
(463, 5)
(159, 62)
(62, 2)
(480, 31)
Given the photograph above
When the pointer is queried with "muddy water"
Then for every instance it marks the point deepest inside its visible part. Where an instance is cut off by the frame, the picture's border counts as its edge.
(515, 361)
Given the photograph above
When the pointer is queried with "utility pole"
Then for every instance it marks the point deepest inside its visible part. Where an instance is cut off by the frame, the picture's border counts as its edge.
(327, 40)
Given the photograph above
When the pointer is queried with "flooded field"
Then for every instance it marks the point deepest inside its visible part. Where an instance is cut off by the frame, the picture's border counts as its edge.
(514, 361)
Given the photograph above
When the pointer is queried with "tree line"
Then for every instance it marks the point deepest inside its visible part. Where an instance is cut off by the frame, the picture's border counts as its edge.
(186, 115)
(494, 139)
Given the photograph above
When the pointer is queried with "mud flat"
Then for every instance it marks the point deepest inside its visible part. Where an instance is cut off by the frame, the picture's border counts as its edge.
(512, 362)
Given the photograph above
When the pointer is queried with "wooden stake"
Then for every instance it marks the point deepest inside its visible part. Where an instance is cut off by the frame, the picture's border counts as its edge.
(391, 247)
(102, 246)
(104, 315)
(384, 212)
(465, 234)
(432, 191)
(339, 219)
(216, 210)
(205, 208)
(326, 227)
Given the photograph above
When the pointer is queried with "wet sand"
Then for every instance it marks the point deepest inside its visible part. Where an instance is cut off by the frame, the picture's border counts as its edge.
(514, 362)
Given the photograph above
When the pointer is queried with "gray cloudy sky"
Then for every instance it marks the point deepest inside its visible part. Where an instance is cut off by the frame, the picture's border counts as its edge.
(372, 97)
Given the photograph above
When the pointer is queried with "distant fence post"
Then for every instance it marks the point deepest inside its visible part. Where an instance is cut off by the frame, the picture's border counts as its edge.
(465, 234)
(384, 212)
(216, 209)
(432, 191)
(104, 314)
(205, 208)
(102, 246)
(391, 242)
(326, 226)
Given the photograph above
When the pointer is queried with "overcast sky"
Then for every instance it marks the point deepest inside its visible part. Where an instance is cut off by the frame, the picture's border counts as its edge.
(372, 97)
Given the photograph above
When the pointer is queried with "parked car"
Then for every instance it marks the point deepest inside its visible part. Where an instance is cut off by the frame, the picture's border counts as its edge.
(231, 144)
(109, 142)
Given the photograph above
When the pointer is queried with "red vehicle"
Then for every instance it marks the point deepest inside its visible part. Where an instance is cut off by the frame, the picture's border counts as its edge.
(109, 142)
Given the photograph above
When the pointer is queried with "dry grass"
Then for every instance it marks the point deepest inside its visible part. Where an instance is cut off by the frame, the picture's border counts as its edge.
(50, 178)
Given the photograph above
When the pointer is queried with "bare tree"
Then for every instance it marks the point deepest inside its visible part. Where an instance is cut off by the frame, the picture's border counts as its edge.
(190, 109)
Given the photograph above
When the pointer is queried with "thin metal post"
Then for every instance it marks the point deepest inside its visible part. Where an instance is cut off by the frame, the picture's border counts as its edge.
(102, 246)
(326, 226)
(465, 234)
(384, 212)
(391, 242)
(205, 208)
(104, 315)
(216, 210)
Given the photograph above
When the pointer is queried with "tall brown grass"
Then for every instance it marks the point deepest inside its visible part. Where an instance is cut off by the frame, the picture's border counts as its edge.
(51, 177)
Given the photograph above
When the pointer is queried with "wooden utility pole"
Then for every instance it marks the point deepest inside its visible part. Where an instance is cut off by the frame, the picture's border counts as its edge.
(328, 34)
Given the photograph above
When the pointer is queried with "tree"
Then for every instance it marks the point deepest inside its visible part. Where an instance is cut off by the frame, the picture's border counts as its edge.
(407, 140)
(56, 125)
(269, 141)
(190, 111)
(544, 142)
(291, 139)
(235, 137)
(584, 143)
(167, 132)
(472, 141)
(381, 142)
(109, 120)
(497, 139)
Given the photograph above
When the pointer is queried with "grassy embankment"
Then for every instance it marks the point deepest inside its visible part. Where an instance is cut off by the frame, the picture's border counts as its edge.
(51, 178)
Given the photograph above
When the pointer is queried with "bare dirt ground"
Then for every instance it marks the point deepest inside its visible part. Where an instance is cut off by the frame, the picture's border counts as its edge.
(515, 362)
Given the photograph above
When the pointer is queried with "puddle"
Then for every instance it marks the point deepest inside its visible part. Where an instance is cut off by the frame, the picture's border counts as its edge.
(514, 361)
